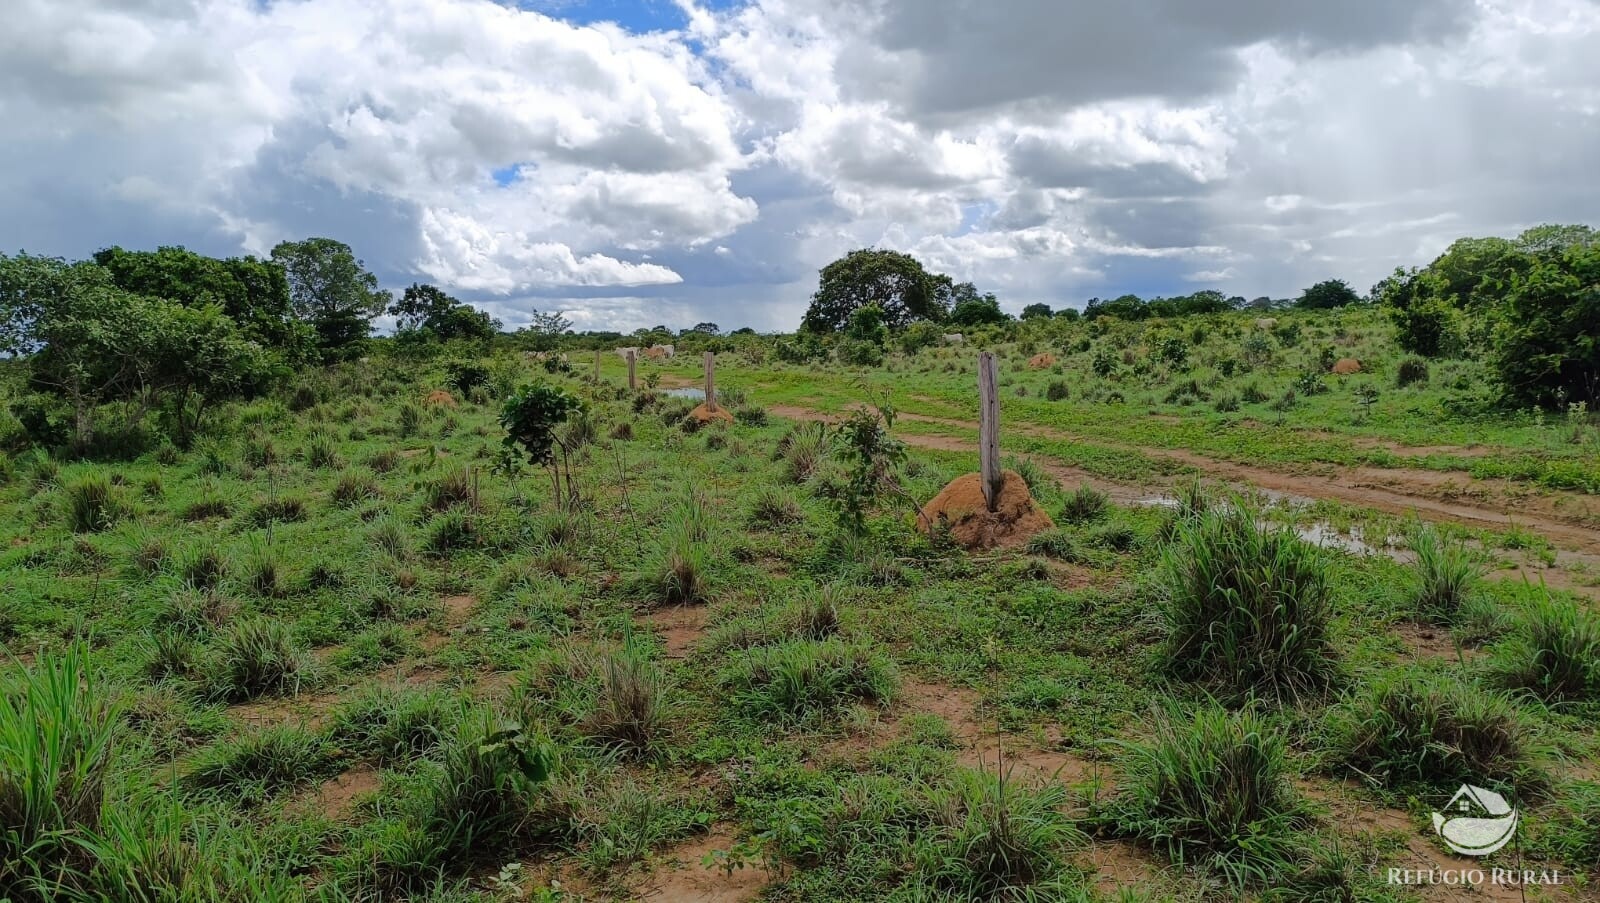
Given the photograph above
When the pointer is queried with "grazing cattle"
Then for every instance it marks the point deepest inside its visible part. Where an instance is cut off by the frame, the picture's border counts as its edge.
(669, 350)
(623, 352)
(655, 353)
(955, 338)
(1266, 323)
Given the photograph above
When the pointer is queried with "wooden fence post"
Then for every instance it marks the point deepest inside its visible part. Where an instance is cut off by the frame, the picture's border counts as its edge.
(632, 359)
(989, 428)
(711, 385)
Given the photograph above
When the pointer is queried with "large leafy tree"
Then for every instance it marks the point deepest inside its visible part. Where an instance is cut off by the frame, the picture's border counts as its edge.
(1547, 334)
(332, 291)
(895, 282)
(1327, 294)
(979, 311)
(90, 343)
(427, 307)
(254, 293)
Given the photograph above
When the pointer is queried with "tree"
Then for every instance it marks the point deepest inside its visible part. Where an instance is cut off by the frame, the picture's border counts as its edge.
(254, 293)
(530, 417)
(1328, 294)
(1126, 307)
(89, 343)
(707, 329)
(332, 291)
(867, 325)
(1426, 320)
(543, 329)
(1547, 345)
(1552, 238)
(984, 311)
(1035, 311)
(426, 307)
(895, 282)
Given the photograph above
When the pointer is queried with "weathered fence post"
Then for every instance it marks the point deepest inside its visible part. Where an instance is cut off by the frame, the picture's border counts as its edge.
(989, 428)
(711, 385)
(632, 359)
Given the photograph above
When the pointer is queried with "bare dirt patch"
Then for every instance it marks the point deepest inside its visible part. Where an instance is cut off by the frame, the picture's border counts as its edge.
(679, 627)
(337, 797)
(1426, 641)
(1122, 863)
(683, 877)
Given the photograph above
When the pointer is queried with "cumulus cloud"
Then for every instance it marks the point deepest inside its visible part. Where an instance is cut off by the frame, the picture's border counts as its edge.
(1046, 151)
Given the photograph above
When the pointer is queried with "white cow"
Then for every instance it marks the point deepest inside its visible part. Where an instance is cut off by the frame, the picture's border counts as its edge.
(623, 352)
(955, 338)
(1266, 323)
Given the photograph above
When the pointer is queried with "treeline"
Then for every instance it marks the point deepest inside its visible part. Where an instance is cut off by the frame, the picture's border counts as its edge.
(127, 345)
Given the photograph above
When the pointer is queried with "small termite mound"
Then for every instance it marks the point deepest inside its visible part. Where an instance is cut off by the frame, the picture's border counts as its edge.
(706, 415)
(960, 509)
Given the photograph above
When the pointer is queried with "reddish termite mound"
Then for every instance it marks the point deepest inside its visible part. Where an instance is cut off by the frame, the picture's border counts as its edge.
(960, 508)
(706, 415)
(1041, 361)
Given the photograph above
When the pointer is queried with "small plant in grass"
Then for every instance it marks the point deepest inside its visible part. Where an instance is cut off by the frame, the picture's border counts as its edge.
(376, 647)
(203, 569)
(409, 420)
(815, 614)
(531, 418)
(774, 507)
(261, 451)
(630, 712)
(678, 572)
(208, 507)
(1412, 371)
(794, 681)
(1444, 578)
(353, 487)
(872, 459)
(802, 451)
(1057, 391)
(454, 489)
(263, 573)
(1431, 729)
(384, 461)
(257, 657)
(1115, 537)
(321, 451)
(1213, 792)
(92, 504)
(1553, 653)
(1084, 504)
(392, 536)
(151, 553)
(171, 654)
(751, 415)
(285, 509)
(254, 766)
(992, 839)
(1060, 545)
(394, 727)
(1247, 607)
(453, 531)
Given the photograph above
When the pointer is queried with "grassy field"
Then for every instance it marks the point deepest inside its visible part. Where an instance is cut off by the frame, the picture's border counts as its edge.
(339, 651)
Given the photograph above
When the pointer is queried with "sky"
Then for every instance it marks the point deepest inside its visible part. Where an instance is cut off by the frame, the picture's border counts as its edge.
(642, 162)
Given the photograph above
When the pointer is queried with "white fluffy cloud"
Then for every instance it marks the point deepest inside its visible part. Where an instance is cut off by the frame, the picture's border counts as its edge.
(1047, 151)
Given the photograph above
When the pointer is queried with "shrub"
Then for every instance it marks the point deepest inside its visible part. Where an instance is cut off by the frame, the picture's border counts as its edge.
(793, 681)
(774, 507)
(1247, 607)
(254, 766)
(58, 734)
(1444, 578)
(1252, 394)
(393, 727)
(255, 658)
(1226, 403)
(1213, 791)
(751, 415)
(630, 711)
(1412, 371)
(1554, 653)
(354, 487)
(1416, 728)
(992, 840)
(1084, 504)
(1057, 391)
(92, 504)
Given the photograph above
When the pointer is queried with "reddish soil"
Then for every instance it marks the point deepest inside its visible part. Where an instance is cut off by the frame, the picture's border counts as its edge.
(680, 628)
(960, 507)
(1426, 641)
(337, 797)
(1122, 863)
(683, 877)
(706, 415)
(441, 398)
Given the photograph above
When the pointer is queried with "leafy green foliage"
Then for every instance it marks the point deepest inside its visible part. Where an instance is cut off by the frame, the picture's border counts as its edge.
(1554, 651)
(894, 282)
(331, 291)
(1546, 346)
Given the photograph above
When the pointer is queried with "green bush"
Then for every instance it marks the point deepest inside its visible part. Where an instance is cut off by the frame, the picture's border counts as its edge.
(1084, 504)
(1247, 607)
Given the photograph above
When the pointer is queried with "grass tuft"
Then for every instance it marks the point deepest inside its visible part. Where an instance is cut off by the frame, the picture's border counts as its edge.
(1554, 652)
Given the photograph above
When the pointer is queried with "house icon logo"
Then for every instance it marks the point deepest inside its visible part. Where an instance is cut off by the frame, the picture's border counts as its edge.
(1476, 822)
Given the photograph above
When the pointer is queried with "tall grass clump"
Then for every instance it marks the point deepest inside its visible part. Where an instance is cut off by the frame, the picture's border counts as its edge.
(1414, 728)
(630, 713)
(255, 658)
(92, 504)
(255, 765)
(1553, 653)
(1084, 504)
(394, 727)
(1213, 791)
(798, 680)
(677, 574)
(992, 839)
(774, 507)
(1247, 607)
(1444, 578)
(802, 450)
(58, 732)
